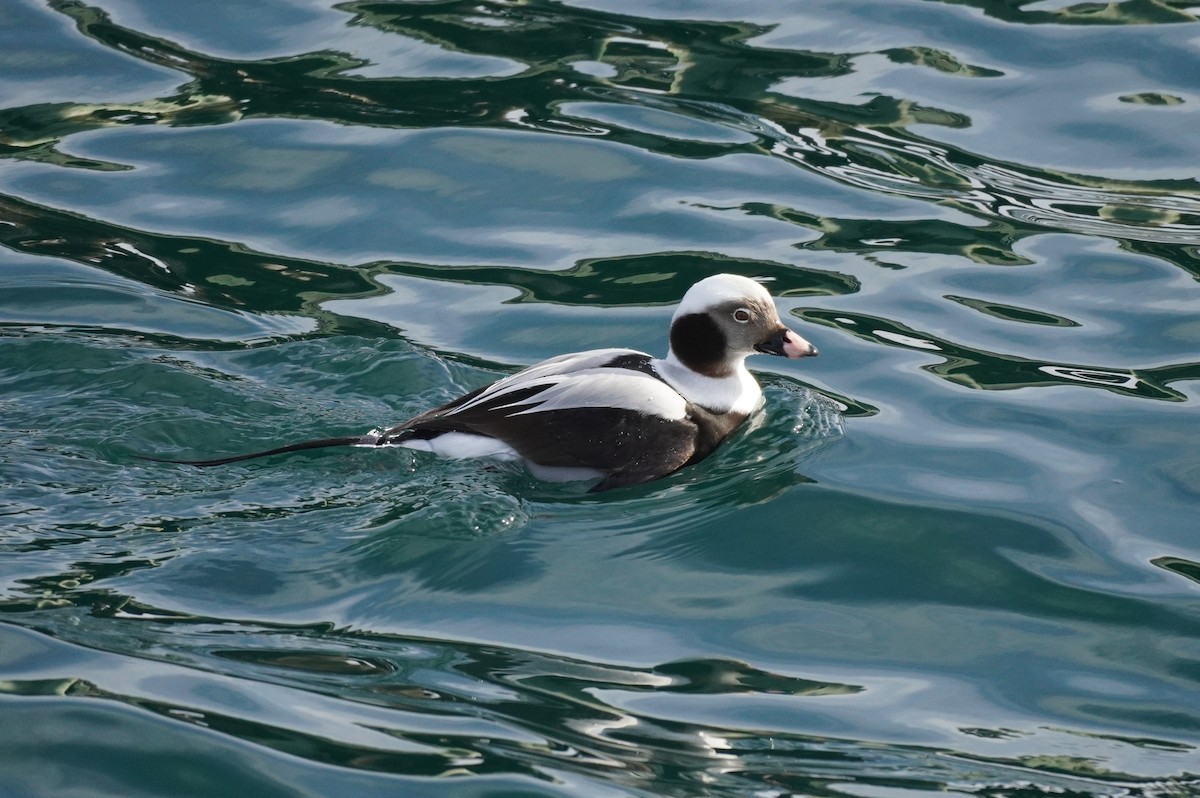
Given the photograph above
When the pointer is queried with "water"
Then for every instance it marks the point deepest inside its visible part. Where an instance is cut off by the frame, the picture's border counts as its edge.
(956, 553)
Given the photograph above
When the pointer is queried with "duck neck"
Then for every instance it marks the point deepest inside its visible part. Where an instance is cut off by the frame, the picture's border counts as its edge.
(735, 391)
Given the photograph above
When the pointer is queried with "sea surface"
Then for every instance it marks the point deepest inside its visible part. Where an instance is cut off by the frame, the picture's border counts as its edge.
(958, 553)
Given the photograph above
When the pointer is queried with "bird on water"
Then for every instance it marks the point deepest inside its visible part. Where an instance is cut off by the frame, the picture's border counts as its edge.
(618, 416)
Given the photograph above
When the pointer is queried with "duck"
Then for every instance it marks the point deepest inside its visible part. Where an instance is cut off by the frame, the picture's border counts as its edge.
(617, 417)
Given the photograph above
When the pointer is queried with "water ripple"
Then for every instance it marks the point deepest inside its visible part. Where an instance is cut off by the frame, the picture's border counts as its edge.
(909, 573)
(425, 707)
(991, 370)
(867, 146)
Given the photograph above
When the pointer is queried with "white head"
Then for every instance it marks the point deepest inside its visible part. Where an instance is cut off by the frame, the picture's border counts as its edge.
(724, 318)
(718, 289)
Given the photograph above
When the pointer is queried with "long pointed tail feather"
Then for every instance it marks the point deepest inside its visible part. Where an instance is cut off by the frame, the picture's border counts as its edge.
(291, 447)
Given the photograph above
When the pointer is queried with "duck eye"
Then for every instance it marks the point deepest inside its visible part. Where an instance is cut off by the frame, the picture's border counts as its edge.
(741, 315)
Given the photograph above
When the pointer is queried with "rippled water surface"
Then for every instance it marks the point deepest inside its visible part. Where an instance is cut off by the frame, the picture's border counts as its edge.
(958, 552)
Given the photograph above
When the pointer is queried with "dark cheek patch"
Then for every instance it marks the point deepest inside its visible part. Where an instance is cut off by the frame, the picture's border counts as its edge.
(699, 344)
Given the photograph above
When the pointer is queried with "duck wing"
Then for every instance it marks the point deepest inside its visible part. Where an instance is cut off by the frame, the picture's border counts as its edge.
(606, 410)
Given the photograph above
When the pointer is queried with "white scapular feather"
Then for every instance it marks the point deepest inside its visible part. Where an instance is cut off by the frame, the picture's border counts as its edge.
(582, 380)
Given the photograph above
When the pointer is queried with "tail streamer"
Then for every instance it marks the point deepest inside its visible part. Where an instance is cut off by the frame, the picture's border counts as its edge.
(292, 447)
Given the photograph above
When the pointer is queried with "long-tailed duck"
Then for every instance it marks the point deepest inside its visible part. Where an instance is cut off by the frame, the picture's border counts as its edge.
(616, 415)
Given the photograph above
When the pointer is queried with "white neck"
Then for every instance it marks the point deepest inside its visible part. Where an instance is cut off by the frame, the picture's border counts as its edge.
(738, 392)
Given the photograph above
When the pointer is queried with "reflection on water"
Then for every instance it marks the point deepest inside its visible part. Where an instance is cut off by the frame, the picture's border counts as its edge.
(867, 146)
(1129, 12)
(439, 708)
(989, 370)
(429, 708)
(224, 229)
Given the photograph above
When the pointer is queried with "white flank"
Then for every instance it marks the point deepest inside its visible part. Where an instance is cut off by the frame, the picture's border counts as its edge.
(463, 446)
(562, 473)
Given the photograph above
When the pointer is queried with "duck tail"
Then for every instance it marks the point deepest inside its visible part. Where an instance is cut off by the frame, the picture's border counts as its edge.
(321, 443)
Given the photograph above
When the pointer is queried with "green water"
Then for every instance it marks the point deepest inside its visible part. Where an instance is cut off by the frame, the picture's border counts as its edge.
(956, 553)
